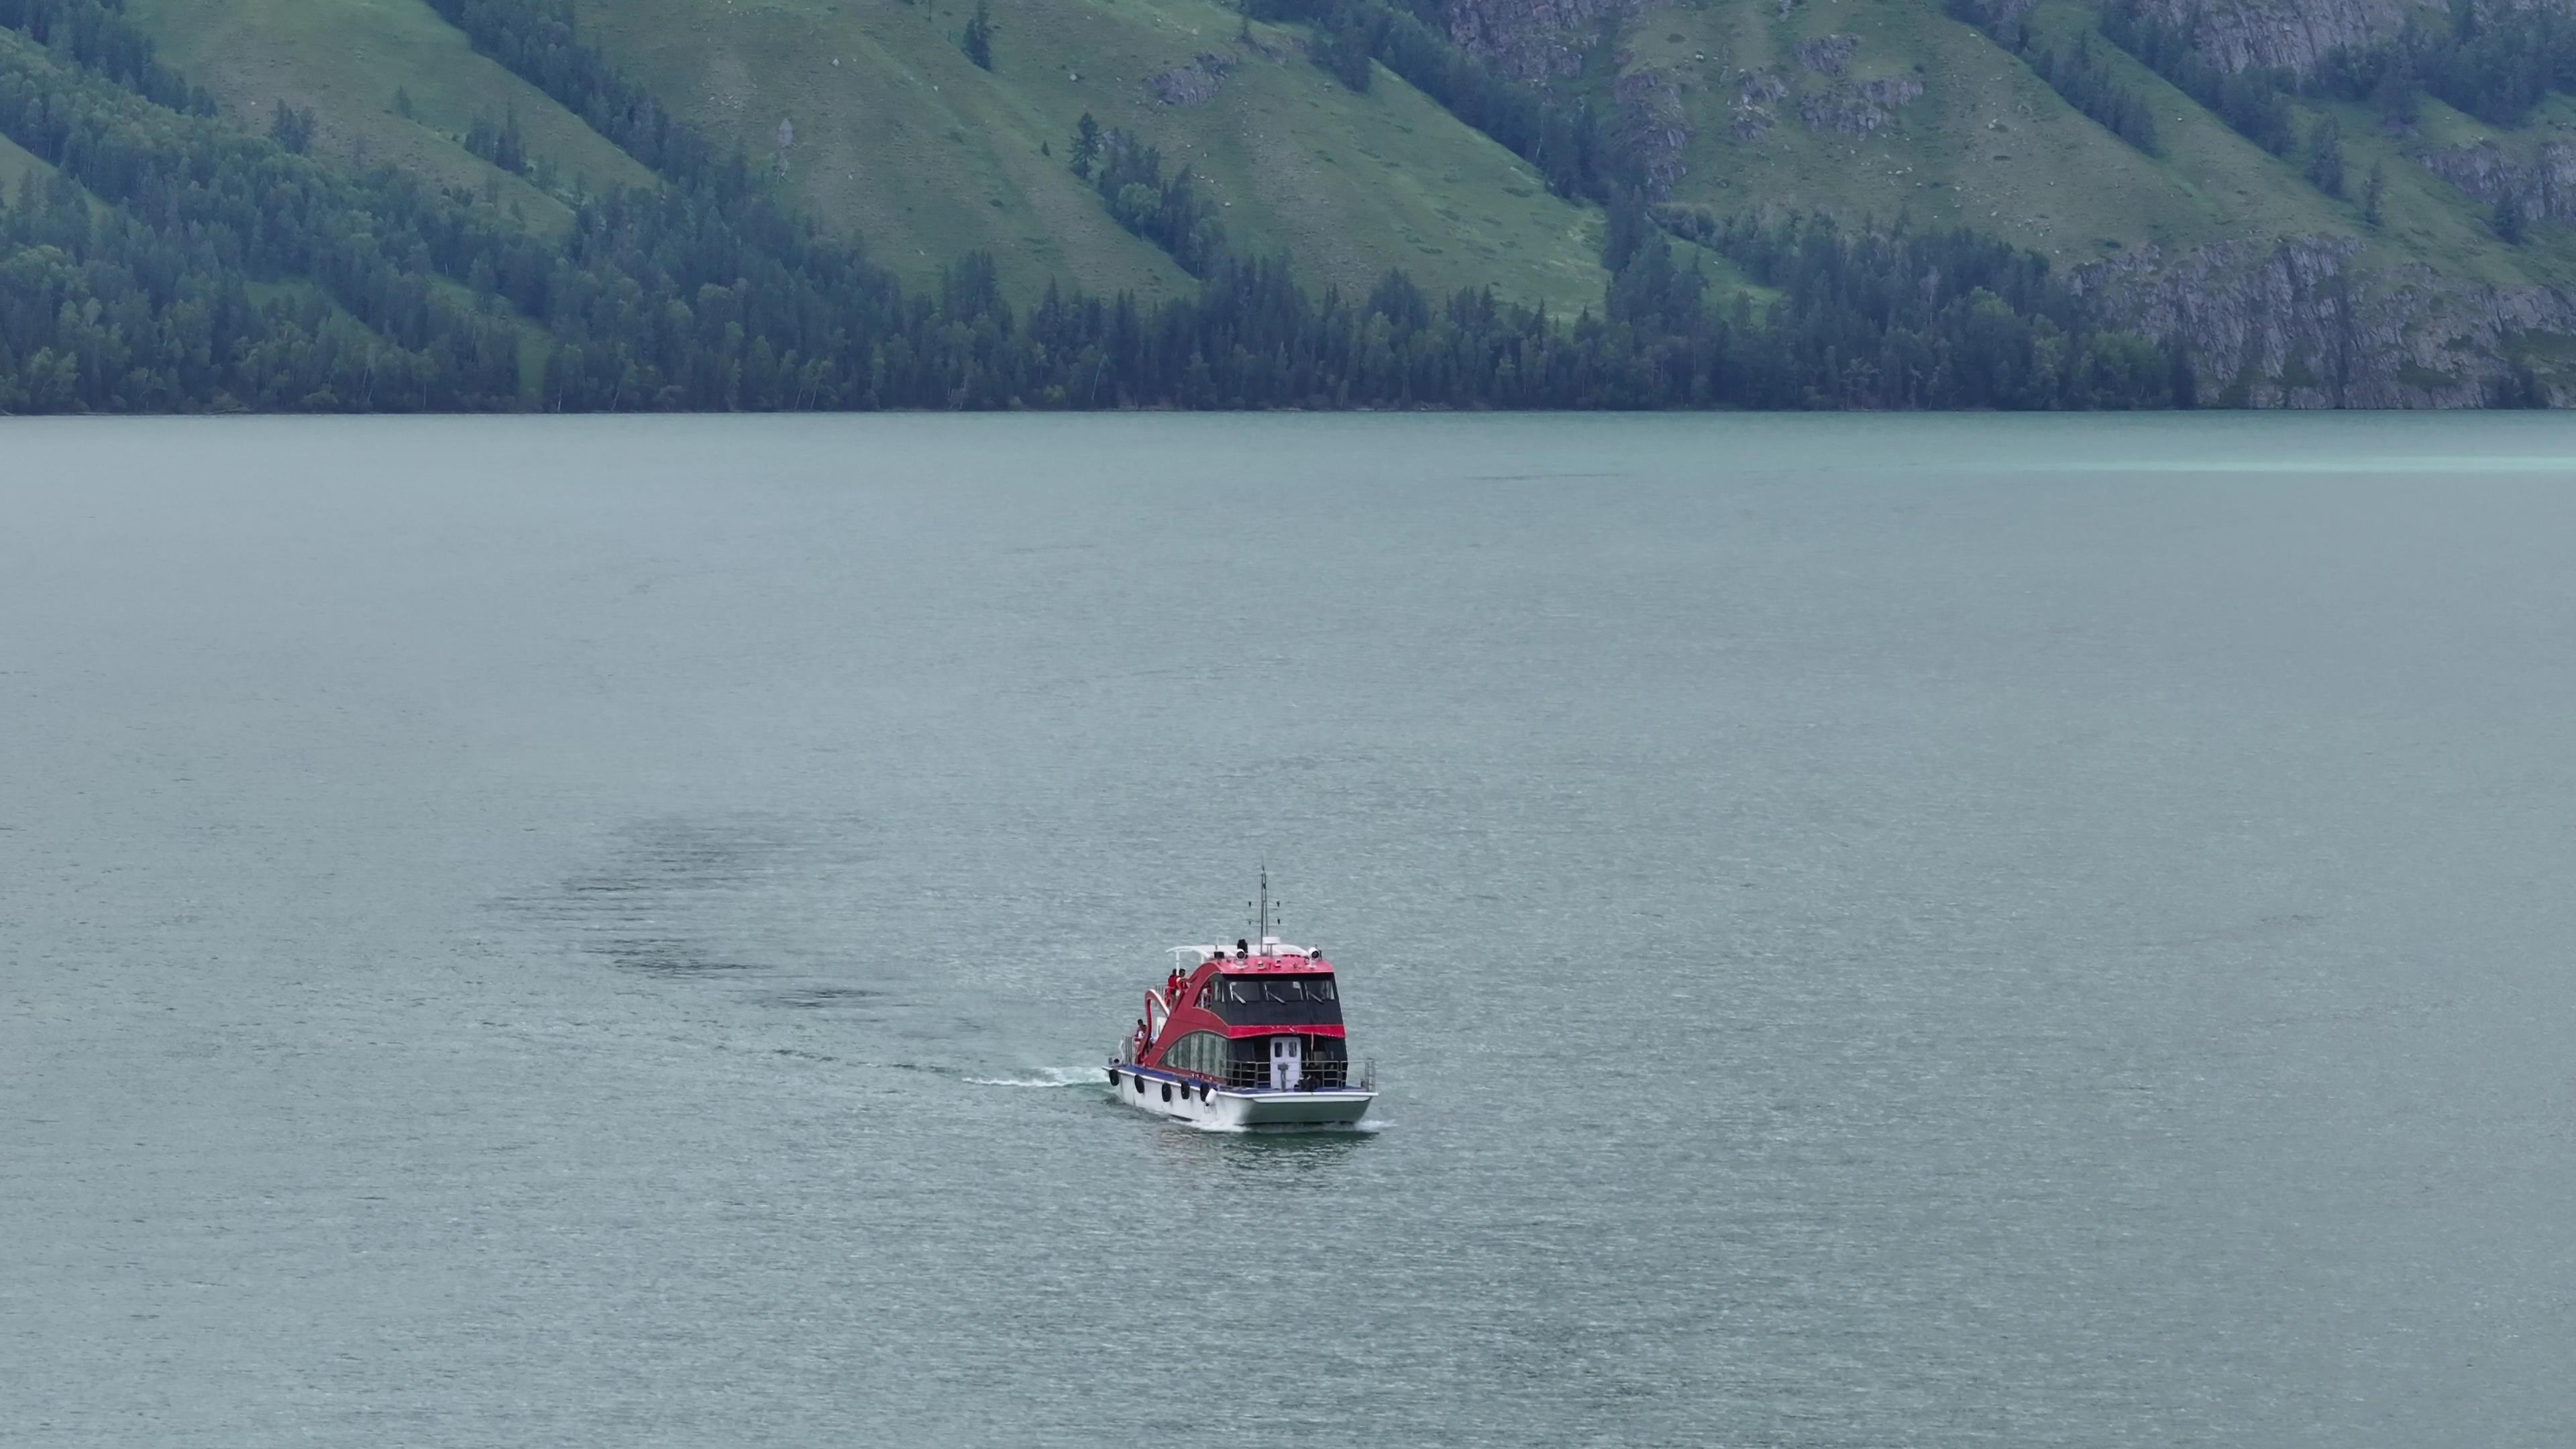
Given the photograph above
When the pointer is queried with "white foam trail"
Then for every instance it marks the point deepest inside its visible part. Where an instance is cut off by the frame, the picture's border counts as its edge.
(1047, 1077)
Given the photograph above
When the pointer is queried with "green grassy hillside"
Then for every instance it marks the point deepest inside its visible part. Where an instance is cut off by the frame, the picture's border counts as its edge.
(877, 123)
(898, 136)
(923, 156)
(326, 281)
(16, 164)
(1988, 144)
(346, 60)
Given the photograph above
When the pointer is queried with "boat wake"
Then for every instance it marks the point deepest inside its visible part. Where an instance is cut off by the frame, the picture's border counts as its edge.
(1045, 1077)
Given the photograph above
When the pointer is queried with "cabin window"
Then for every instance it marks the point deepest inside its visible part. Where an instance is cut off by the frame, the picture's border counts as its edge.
(1200, 1052)
(1279, 1000)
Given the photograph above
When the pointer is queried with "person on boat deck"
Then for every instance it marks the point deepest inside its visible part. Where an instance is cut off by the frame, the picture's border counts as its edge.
(1172, 987)
(1141, 1039)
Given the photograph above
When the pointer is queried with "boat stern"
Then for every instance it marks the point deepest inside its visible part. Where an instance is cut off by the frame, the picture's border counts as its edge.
(1204, 1104)
(1288, 1111)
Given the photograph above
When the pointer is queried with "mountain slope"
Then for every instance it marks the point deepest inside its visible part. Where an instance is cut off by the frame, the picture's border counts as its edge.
(1894, 109)
(196, 263)
(2423, 258)
(897, 135)
(1989, 144)
(346, 60)
(16, 164)
(897, 138)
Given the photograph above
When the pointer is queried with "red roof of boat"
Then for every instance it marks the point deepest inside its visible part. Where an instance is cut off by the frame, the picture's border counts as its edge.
(1273, 965)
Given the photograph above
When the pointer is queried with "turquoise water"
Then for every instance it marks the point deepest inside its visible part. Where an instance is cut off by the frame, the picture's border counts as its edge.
(1873, 931)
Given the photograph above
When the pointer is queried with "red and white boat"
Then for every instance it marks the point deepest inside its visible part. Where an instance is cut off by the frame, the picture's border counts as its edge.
(1247, 1039)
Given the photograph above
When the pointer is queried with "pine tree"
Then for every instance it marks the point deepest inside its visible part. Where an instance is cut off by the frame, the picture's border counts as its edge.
(2373, 191)
(1349, 38)
(509, 152)
(2393, 96)
(2509, 222)
(2325, 157)
(291, 128)
(1086, 146)
(977, 42)
(1629, 230)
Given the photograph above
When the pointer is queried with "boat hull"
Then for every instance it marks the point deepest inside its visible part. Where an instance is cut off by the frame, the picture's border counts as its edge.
(1162, 1094)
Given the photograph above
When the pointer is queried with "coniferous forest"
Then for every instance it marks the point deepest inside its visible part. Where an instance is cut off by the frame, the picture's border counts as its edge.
(182, 260)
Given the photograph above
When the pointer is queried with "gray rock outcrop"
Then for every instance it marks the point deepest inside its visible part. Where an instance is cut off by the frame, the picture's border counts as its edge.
(2237, 34)
(1193, 84)
(2293, 323)
(1857, 111)
(1533, 40)
(2545, 183)
(1653, 127)
(1828, 54)
(1750, 118)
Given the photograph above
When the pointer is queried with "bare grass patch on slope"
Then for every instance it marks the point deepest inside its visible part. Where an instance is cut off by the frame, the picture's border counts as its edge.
(347, 60)
(898, 136)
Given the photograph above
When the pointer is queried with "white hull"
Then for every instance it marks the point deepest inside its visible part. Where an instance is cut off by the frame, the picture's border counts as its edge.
(1164, 1095)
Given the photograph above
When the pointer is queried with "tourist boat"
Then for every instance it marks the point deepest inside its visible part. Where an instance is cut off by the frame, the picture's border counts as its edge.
(1251, 1039)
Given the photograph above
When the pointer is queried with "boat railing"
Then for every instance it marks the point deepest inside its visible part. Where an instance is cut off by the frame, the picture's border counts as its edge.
(1315, 1076)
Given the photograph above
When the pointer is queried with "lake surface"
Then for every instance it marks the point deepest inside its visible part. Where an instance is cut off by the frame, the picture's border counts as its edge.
(1951, 931)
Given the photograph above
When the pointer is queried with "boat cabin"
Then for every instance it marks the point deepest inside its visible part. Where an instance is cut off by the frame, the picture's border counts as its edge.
(1249, 1022)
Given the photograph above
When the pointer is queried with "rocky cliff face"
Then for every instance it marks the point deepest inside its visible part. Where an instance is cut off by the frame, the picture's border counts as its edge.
(1756, 92)
(2236, 34)
(1533, 40)
(2544, 182)
(1546, 41)
(1193, 84)
(2292, 323)
(1858, 110)
(1652, 127)
(1828, 54)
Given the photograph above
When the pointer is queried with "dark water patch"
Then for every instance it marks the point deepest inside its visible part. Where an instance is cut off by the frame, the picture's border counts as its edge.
(804, 1056)
(704, 897)
(667, 958)
(824, 998)
(679, 856)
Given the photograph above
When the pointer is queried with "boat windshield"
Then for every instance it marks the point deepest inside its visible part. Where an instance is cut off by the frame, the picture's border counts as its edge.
(1278, 1000)
(1286, 990)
